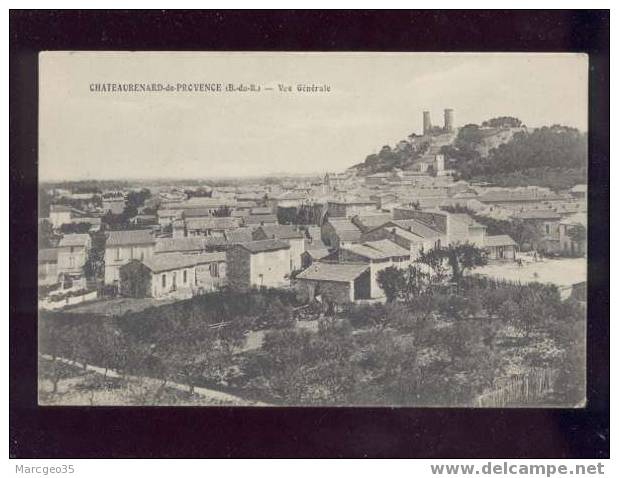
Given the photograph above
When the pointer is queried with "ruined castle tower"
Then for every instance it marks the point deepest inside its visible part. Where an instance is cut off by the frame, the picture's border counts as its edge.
(449, 120)
(427, 124)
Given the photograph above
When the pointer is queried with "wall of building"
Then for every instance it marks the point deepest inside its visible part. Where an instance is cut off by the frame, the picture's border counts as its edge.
(269, 269)
(59, 218)
(238, 267)
(297, 248)
(336, 292)
(127, 253)
(47, 273)
(494, 252)
(71, 260)
(211, 276)
(179, 280)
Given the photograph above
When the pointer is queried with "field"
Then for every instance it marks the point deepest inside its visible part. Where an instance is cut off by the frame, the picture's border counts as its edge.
(561, 272)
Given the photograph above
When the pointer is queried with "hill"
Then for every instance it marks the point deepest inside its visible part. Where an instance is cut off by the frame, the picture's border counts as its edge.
(501, 151)
(554, 156)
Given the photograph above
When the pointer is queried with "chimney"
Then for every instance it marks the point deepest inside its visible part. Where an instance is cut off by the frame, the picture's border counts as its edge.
(427, 124)
(449, 120)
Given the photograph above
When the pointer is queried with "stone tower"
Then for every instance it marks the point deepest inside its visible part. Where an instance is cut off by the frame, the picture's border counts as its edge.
(449, 120)
(427, 123)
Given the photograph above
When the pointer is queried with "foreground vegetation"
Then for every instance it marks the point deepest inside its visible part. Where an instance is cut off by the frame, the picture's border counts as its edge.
(435, 344)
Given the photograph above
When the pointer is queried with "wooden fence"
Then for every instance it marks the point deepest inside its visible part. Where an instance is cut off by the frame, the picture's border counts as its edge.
(518, 390)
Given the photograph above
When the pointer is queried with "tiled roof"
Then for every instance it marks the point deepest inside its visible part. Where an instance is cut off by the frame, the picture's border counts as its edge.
(74, 240)
(197, 212)
(324, 271)
(317, 253)
(180, 244)
(345, 230)
(212, 223)
(242, 234)
(280, 231)
(59, 208)
(261, 218)
(536, 214)
(264, 246)
(501, 240)
(515, 195)
(416, 227)
(168, 262)
(370, 221)
(466, 219)
(367, 252)
(48, 255)
(126, 238)
(261, 211)
(580, 218)
(386, 246)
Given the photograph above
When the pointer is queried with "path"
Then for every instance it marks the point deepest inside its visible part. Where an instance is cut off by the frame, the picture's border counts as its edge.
(203, 392)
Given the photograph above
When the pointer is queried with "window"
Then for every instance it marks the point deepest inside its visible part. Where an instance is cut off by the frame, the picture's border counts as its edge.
(163, 280)
(547, 228)
(196, 276)
(71, 262)
(118, 253)
(214, 269)
(184, 277)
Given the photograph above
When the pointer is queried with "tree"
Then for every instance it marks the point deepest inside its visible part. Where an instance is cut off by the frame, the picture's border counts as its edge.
(94, 267)
(222, 211)
(577, 233)
(75, 228)
(459, 257)
(392, 281)
(47, 238)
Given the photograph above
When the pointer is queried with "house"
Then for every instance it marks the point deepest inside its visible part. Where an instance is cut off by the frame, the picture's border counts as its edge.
(570, 244)
(313, 238)
(430, 237)
(166, 217)
(72, 253)
(579, 191)
(263, 263)
(204, 226)
(242, 234)
(113, 204)
(370, 221)
(291, 234)
(184, 245)
(346, 209)
(261, 211)
(335, 283)
(378, 254)
(47, 266)
(518, 197)
(546, 223)
(259, 219)
(456, 228)
(501, 247)
(163, 274)
(124, 246)
(60, 214)
(339, 232)
(400, 235)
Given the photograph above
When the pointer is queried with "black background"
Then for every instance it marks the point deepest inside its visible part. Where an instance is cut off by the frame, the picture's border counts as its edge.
(300, 432)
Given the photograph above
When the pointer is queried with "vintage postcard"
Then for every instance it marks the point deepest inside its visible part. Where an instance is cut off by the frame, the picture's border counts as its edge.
(312, 229)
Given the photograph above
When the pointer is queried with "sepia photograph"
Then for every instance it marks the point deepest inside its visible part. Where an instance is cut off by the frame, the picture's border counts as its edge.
(326, 229)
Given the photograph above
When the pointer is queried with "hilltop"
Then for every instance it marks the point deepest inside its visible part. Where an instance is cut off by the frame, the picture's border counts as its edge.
(501, 150)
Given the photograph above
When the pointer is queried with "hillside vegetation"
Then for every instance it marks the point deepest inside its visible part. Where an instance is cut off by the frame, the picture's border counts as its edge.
(554, 156)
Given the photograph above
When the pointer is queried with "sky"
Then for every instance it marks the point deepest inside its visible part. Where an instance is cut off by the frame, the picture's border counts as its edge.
(376, 99)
